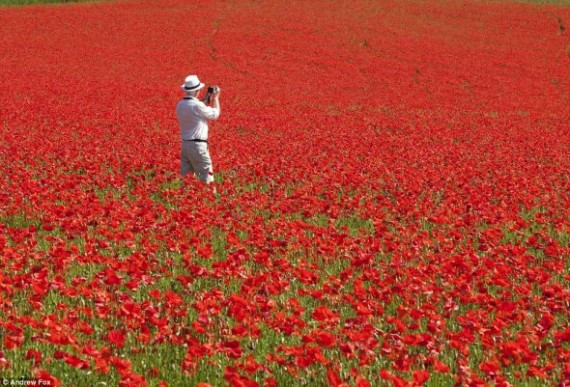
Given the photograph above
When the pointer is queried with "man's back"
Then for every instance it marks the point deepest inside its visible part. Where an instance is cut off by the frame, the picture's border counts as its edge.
(193, 116)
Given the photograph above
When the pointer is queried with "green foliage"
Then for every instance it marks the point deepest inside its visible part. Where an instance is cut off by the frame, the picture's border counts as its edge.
(31, 2)
(554, 2)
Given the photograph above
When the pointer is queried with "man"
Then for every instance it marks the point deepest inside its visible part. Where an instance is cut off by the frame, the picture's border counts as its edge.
(193, 116)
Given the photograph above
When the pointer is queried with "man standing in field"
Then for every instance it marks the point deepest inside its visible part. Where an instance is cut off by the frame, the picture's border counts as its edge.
(193, 116)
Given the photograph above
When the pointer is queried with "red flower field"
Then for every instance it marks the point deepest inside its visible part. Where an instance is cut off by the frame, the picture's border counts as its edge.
(393, 200)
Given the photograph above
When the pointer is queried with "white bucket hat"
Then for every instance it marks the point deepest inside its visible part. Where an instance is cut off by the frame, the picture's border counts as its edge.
(192, 83)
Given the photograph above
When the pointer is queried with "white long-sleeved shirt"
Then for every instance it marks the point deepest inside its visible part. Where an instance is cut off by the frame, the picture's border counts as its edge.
(193, 116)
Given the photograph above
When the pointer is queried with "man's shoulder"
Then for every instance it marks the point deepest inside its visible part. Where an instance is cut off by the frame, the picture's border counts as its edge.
(189, 103)
(197, 102)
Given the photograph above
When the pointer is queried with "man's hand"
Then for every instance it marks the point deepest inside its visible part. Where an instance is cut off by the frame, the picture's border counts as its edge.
(216, 92)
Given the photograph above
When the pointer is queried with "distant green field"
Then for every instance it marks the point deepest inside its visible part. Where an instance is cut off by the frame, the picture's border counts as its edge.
(555, 2)
(29, 2)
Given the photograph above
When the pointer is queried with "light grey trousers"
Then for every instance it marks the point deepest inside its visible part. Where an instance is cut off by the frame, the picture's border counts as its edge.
(195, 158)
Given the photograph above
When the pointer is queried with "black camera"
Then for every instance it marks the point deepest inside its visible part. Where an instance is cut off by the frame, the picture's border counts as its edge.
(209, 93)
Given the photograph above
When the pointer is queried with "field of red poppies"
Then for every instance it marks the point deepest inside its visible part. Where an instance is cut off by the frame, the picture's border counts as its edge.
(393, 200)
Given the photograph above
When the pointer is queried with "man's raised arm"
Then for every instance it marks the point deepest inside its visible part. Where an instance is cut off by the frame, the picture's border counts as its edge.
(211, 112)
(216, 96)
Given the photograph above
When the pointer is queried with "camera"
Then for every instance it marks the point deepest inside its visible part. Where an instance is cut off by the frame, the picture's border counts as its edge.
(211, 90)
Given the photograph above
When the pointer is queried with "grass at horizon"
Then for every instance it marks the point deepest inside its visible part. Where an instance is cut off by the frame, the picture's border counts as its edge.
(16, 3)
(32, 2)
(545, 2)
